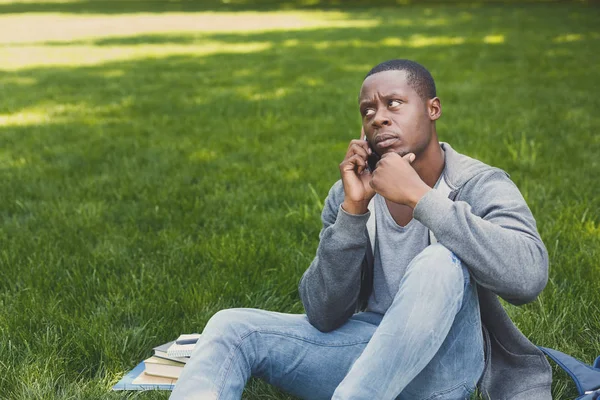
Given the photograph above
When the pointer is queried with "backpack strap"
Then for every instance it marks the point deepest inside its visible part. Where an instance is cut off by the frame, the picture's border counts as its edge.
(595, 395)
(586, 378)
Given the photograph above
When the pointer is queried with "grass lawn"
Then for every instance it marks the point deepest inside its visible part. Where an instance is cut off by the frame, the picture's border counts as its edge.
(162, 161)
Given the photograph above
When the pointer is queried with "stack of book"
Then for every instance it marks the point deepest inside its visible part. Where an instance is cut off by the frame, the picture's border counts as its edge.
(160, 372)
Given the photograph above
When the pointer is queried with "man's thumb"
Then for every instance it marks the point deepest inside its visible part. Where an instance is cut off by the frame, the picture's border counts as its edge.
(410, 157)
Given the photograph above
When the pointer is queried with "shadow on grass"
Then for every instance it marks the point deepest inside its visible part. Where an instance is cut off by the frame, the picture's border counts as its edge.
(181, 185)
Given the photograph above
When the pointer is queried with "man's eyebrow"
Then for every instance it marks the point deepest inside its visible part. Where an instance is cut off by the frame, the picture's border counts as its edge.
(365, 102)
(393, 93)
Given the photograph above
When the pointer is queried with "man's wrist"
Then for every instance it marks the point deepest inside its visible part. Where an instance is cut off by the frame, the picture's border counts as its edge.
(355, 208)
(418, 195)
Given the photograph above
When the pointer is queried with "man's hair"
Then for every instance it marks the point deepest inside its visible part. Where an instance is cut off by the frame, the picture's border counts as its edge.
(417, 76)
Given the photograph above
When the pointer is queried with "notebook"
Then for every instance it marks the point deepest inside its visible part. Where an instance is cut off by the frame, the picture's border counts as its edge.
(161, 351)
(183, 350)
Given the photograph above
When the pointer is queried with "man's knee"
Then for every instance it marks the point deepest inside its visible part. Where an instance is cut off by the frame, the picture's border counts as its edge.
(438, 262)
(236, 321)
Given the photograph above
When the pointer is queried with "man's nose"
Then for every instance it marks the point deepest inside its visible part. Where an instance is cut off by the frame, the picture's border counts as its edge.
(381, 119)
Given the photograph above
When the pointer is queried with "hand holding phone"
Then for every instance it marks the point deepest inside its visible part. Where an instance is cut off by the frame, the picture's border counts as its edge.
(356, 177)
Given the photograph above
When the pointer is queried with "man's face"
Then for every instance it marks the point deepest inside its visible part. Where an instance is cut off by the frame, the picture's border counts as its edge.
(394, 116)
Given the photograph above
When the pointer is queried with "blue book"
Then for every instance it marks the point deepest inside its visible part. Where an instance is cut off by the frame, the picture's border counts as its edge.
(137, 380)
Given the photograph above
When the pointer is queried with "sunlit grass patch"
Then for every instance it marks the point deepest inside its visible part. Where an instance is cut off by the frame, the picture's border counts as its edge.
(15, 58)
(16, 29)
(86, 40)
(25, 118)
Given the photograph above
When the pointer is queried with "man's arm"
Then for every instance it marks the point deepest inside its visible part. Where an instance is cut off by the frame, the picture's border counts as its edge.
(491, 229)
(330, 286)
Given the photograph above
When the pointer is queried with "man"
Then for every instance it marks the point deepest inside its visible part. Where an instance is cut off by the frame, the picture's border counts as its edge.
(432, 325)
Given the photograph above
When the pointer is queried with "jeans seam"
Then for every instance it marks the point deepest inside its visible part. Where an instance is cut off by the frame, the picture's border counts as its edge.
(291, 335)
(228, 364)
(230, 359)
(231, 356)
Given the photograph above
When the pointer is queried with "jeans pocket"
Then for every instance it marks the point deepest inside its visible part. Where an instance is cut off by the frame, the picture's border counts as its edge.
(460, 392)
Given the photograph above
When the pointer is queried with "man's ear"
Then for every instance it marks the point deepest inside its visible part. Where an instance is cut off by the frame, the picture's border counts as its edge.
(434, 108)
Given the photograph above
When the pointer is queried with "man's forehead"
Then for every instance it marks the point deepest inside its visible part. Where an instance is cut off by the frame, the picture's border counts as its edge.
(383, 81)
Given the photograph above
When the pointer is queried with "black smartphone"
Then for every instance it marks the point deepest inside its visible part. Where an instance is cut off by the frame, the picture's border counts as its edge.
(372, 158)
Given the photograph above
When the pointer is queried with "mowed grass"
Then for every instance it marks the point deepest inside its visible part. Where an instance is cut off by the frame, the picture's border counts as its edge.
(156, 167)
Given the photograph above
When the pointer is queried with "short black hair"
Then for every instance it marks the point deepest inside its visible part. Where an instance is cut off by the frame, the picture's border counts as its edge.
(417, 76)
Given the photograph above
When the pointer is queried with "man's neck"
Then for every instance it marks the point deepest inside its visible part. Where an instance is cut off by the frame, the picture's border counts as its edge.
(430, 164)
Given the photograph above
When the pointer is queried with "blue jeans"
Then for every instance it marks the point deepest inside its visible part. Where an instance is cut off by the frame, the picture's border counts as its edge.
(428, 345)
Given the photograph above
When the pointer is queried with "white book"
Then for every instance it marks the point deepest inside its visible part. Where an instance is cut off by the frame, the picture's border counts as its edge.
(183, 350)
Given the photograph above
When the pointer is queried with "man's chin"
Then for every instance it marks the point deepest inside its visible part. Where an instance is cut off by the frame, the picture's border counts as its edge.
(401, 152)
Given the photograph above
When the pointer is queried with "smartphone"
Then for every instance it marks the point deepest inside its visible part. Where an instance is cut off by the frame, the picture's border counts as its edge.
(373, 158)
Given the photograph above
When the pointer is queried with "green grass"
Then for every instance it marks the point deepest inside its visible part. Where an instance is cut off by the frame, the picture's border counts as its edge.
(152, 176)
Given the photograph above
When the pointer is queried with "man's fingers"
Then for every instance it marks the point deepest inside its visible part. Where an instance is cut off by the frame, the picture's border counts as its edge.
(353, 162)
(361, 142)
(358, 147)
(391, 154)
(372, 184)
(410, 157)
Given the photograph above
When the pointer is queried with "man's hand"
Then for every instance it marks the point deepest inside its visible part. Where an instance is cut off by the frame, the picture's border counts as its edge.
(356, 177)
(397, 181)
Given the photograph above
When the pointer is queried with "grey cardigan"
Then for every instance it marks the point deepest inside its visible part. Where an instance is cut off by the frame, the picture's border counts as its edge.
(486, 222)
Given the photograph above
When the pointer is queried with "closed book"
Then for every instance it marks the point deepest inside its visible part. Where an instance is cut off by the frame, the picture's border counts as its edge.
(160, 367)
(161, 351)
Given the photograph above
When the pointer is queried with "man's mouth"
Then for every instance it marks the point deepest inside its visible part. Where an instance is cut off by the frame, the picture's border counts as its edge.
(387, 143)
(385, 140)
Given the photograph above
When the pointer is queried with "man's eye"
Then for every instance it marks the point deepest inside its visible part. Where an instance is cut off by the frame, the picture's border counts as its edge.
(369, 112)
(394, 103)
